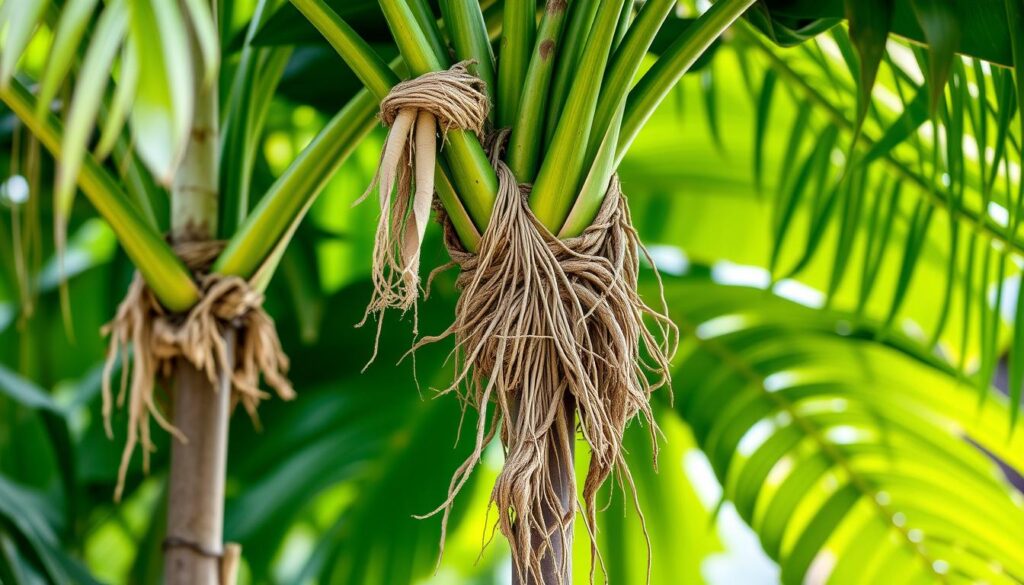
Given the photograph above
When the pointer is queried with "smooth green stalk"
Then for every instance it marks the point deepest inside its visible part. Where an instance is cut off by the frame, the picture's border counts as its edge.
(601, 152)
(582, 15)
(428, 25)
(472, 175)
(524, 143)
(676, 61)
(519, 29)
(625, 20)
(625, 64)
(561, 173)
(606, 135)
(411, 39)
(464, 21)
(166, 276)
(300, 182)
(595, 185)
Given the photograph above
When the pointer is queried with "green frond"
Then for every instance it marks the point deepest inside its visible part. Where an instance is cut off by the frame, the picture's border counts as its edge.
(821, 438)
(897, 228)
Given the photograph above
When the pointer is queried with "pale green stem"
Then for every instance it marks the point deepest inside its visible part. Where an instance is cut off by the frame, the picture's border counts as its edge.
(581, 19)
(625, 64)
(674, 62)
(520, 27)
(561, 173)
(527, 133)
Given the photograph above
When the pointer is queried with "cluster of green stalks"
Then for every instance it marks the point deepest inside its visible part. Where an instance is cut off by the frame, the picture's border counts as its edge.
(561, 78)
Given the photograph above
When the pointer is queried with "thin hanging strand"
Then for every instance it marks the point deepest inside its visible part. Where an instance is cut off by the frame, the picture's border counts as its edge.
(157, 339)
(543, 328)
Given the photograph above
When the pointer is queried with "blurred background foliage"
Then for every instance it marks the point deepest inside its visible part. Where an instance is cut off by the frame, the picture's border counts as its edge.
(826, 422)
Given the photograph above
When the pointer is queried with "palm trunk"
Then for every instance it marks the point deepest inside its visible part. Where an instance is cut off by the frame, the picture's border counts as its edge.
(562, 472)
(195, 508)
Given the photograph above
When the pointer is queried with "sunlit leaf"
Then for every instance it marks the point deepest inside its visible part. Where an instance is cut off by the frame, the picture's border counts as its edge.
(18, 20)
(162, 113)
(809, 444)
(74, 20)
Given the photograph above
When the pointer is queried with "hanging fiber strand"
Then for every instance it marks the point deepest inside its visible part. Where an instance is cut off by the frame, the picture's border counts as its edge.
(157, 339)
(543, 328)
(413, 111)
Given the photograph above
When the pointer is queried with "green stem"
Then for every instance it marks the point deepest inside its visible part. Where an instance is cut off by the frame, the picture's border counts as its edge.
(465, 24)
(514, 57)
(428, 25)
(676, 60)
(524, 143)
(575, 38)
(595, 185)
(560, 175)
(296, 187)
(166, 276)
(411, 38)
(625, 64)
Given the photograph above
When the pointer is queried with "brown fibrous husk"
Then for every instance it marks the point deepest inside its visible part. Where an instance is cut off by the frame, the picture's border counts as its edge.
(152, 340)
(540, 320)
(414, 110)
(544, 329)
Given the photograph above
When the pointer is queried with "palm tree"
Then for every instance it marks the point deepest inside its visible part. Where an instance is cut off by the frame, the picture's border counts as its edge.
(854, 430)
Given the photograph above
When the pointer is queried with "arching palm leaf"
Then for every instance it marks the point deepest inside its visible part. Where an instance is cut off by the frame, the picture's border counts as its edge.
(827, 443)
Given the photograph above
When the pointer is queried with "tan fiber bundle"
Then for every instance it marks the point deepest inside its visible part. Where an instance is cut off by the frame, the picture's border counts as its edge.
(413, 110)
(158, 338)
(544, 328)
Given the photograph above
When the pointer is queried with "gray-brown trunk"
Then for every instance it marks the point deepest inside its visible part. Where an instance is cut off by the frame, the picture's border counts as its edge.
(195, 507)
(561, 473)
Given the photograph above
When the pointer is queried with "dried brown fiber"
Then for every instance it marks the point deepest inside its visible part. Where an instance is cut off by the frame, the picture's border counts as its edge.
(157, 339)
(413, 110)
(542, 324)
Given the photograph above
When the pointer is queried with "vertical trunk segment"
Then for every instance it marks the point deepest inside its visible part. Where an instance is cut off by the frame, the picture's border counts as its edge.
(561, 472)
(195, 508)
